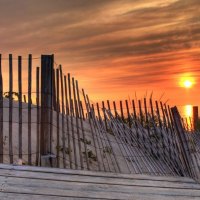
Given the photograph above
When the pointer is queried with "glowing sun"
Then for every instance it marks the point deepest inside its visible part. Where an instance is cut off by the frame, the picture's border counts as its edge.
(187, 84)
(187, 81)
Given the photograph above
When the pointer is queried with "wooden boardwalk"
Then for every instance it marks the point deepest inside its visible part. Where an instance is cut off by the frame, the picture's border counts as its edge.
(37, 183)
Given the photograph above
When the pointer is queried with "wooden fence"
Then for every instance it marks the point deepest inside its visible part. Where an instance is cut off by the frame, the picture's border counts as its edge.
(54, 123)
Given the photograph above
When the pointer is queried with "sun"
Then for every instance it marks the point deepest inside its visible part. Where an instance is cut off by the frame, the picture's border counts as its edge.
(187, 84)
(186, 81)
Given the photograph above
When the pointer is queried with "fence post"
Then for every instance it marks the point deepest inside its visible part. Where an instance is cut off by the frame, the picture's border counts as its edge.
(183, 143)
(47, 159)
(1, 113)
(195, 117)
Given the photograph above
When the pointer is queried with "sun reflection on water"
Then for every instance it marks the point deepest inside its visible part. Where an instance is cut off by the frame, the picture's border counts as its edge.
(188, 111)
(188, 114)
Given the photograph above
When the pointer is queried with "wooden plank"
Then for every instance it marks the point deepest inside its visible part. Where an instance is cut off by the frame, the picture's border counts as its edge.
(1, 112)
(82, 126)
(140, 110)
(38, 115)
(20, 104)
(77, 122)
(10, 107)
(67, 118)
(29, 107)
(46, 103)
(72, 119)
(134, 109)
(32, 186)
(63, 113)
(82, 111)
(128, 113)
(96, 174)
(52, 103)
(158, 115)
(54, 90)
(24, 98)
(152, 111)
(122, 111)
(96, 132)
(17, 196)
(183, 143)
(6, 196)
(91, 128)
(104, 114)
(70, 94)
(58, 118)
(108, 103)
(115, 109)
(98, 180)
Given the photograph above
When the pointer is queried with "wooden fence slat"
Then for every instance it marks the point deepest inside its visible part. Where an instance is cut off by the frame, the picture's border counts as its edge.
(10, 107)
(24, 98)
(63, 113)
(70, 94)
(115, 109)
(128, 113)
(58, 119)
(134, 109)
(73, 136)
(82, 126)
(105, 119)
(122, 111)
(98, 134)
(38, 115)
(108, 103)
(29, 107)
(1, 112)
(72, 119)
(151, 107)
(140, 110)
(94, 132)
(91, 128)
(67, 118)
(183, 144)
(47, 159)
(52, 107)
(158, 115)
(20, 104)
(77, 122)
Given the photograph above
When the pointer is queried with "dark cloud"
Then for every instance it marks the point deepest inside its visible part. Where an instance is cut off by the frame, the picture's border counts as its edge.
(140, 40)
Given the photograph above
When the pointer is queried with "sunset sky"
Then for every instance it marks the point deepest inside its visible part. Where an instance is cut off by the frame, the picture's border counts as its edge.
(115, 48)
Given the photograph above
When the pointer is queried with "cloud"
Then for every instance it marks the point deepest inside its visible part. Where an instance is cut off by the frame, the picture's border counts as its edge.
(138, 43)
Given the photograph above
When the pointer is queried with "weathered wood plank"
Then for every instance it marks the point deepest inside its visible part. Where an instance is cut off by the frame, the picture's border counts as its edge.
(17, 196)
(29, 107)
(67, 119)
(99, 174)
(63, 114)
(58, 118)
(98, 179)
(77, 189)
(10, 107)
(1, 113)
(20, 104)
(38, 115)
(77, 122)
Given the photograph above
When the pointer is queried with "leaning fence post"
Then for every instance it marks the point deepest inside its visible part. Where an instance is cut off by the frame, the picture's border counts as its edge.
(183, 142)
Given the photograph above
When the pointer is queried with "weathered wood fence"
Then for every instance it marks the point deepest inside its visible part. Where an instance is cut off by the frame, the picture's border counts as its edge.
(55, 124)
